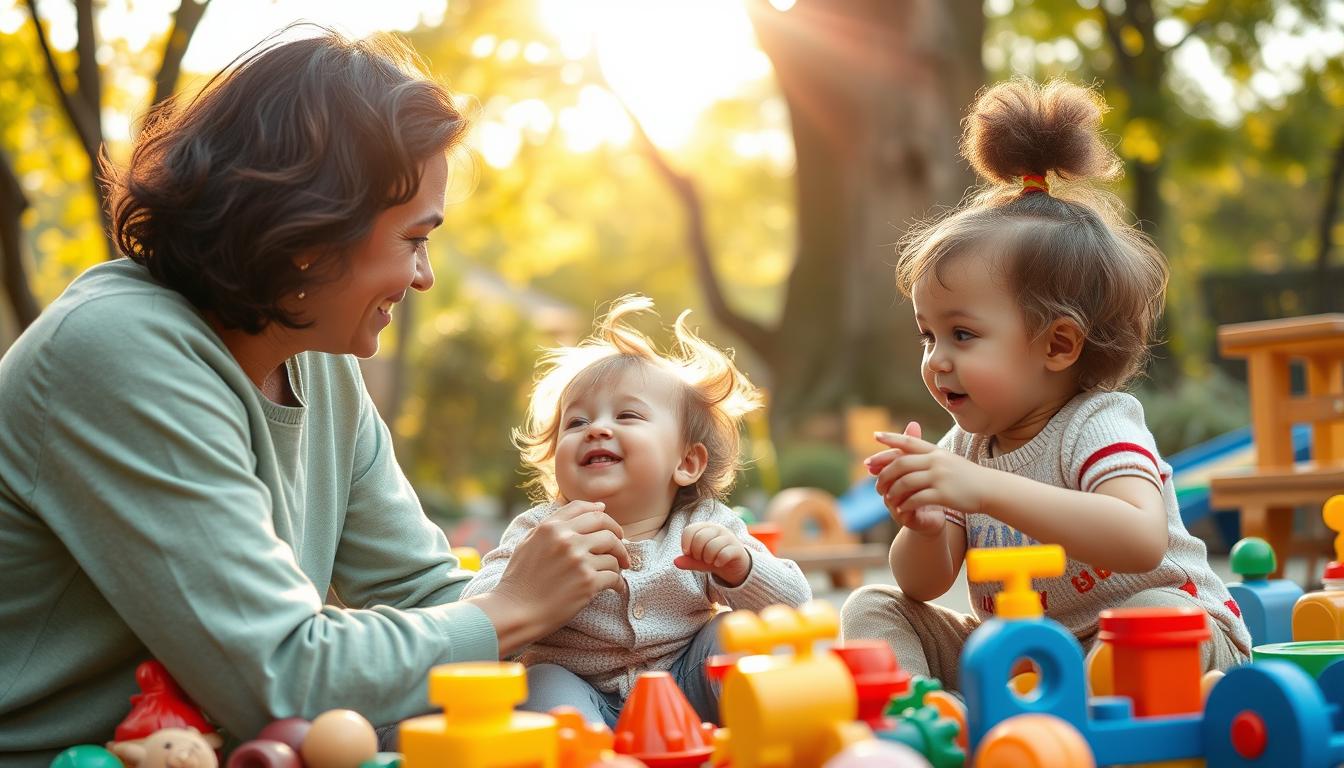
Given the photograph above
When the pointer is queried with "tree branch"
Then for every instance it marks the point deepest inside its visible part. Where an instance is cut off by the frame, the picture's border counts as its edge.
(185, 19)
(1330, 208)
(84, 123)
(1194, 30)
(758, 337)
(12, 205)
(1122, 57)
(88, 75)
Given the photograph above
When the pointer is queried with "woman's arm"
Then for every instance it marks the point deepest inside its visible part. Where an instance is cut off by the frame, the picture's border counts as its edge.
(149, 474)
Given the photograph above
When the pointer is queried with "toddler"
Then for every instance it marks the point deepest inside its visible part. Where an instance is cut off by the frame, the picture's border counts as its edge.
(654, 438)
(1034, 304)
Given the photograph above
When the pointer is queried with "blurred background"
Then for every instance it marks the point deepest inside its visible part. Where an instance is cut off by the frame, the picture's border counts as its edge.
(754, 161)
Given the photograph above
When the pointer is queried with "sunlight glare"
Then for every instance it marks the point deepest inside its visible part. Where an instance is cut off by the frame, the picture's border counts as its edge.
(598, 118)
(668, 61)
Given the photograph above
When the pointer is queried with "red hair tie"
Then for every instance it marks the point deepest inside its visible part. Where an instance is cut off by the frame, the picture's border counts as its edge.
(1032, 182)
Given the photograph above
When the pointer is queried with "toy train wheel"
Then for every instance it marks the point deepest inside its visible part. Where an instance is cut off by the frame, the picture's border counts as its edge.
(1268, 714)
(1034, 741)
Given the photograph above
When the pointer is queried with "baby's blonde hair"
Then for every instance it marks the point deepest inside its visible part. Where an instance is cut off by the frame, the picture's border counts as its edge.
(1067, 253)
(716, 395)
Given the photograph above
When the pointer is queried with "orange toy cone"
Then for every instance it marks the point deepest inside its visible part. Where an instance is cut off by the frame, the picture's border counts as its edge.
(660, 727)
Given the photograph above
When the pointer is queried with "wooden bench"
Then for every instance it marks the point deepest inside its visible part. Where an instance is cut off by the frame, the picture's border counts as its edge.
(1267, 495)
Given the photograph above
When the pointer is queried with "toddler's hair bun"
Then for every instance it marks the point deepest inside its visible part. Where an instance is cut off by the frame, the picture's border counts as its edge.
(1022, 127)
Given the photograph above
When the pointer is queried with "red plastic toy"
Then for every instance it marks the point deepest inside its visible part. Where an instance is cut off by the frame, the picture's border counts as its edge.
(660, 727)
(161, 704)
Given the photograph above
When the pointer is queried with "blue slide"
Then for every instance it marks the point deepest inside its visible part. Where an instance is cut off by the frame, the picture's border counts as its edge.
(860, 507)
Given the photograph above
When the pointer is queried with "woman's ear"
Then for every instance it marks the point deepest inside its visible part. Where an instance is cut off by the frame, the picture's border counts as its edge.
(692, 465)
(1063, 344)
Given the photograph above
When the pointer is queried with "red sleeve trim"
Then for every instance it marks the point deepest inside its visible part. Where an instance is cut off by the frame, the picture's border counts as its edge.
(1113, 449)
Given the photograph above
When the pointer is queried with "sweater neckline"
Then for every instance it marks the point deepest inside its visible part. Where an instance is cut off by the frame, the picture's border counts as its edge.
(1030, 451)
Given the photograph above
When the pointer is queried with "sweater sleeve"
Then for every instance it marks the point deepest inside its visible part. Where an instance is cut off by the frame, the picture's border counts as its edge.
(771, 580)
(496, 560)
(1109, 439)
(390, 553)
(147, 477)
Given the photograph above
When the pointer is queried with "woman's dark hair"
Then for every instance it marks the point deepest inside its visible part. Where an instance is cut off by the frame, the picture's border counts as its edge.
(289, 154)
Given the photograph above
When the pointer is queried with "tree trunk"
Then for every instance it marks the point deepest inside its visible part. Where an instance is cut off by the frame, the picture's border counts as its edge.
(1326, 227)
(876, 91)
(12, 205)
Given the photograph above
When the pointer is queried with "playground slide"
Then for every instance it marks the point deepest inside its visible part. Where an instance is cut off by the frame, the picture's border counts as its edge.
(1225, 454)
(861, 508)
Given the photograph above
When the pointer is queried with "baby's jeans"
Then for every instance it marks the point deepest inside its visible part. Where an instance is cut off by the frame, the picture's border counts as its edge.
(551, 685)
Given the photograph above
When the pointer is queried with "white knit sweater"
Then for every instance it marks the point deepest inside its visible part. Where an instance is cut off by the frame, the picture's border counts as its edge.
(616, 637)
(1094, 438)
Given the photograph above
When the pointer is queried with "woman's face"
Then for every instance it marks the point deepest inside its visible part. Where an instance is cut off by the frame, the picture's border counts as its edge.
(348, 313)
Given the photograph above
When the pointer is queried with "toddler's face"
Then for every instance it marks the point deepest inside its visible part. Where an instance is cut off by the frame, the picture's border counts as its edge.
(979, 362)
(621, 441)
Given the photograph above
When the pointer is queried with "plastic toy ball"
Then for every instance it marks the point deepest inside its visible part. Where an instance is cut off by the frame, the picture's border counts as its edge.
(877, 754)
(86, 756)
(340, 738)
(1034, 741)
(264, 753)
(290, 730)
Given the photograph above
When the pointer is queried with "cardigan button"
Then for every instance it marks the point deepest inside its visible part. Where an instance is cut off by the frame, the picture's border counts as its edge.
(639, 610)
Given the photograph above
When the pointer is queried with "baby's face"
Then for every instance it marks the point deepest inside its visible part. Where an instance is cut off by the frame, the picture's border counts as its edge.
(621, 441)
(980, 363)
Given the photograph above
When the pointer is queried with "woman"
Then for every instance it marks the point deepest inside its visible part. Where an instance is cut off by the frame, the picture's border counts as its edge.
(188, 457)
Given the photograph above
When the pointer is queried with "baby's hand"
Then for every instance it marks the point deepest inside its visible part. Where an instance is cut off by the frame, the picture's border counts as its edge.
(712, 547)
(914, 474)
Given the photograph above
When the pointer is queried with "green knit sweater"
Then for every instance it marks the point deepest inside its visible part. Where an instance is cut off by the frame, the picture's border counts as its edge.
(154, 503)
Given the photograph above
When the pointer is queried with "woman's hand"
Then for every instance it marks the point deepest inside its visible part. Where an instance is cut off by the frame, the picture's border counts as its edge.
(554, 572)
(915, 477)
(712, 547)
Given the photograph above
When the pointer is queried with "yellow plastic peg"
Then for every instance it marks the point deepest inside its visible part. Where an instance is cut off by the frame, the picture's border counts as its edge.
(1016, 567)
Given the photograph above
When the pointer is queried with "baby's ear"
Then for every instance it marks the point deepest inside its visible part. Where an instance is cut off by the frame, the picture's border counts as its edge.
(692, 465)
(1063, 344)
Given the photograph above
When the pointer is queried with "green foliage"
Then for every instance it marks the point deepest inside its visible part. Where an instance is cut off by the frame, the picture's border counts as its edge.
(815, 465)
(1194, 410)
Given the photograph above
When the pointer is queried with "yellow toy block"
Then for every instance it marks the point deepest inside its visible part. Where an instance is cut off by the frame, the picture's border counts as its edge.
(1016, 567)
(1320, 615)
(479, 727)
(794, 709)
(468, 559)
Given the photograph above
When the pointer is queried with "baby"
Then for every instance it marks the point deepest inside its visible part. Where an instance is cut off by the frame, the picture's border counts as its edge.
(652, 440)
(1034, 303)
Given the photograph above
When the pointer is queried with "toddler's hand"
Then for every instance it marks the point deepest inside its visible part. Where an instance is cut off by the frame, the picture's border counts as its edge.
(712, 547)
(914, 474)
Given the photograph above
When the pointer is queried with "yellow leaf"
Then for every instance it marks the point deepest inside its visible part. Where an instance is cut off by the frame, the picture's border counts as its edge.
(1132, 39)
(1140, 141)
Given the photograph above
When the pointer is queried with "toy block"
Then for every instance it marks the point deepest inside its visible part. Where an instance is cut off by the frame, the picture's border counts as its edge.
(877, 676)
(1016, 567)
(1155, 657)
(1320, 615)
(659, 727)
(479, 727)
(1266, 604)
(794, 709)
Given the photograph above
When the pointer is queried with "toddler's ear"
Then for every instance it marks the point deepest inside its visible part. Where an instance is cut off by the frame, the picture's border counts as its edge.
(1063, 344)
(692, 465)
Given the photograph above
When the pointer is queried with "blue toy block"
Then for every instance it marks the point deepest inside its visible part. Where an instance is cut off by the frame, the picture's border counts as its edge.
(1271, 713)
(1267, 608)
(1115, 736)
